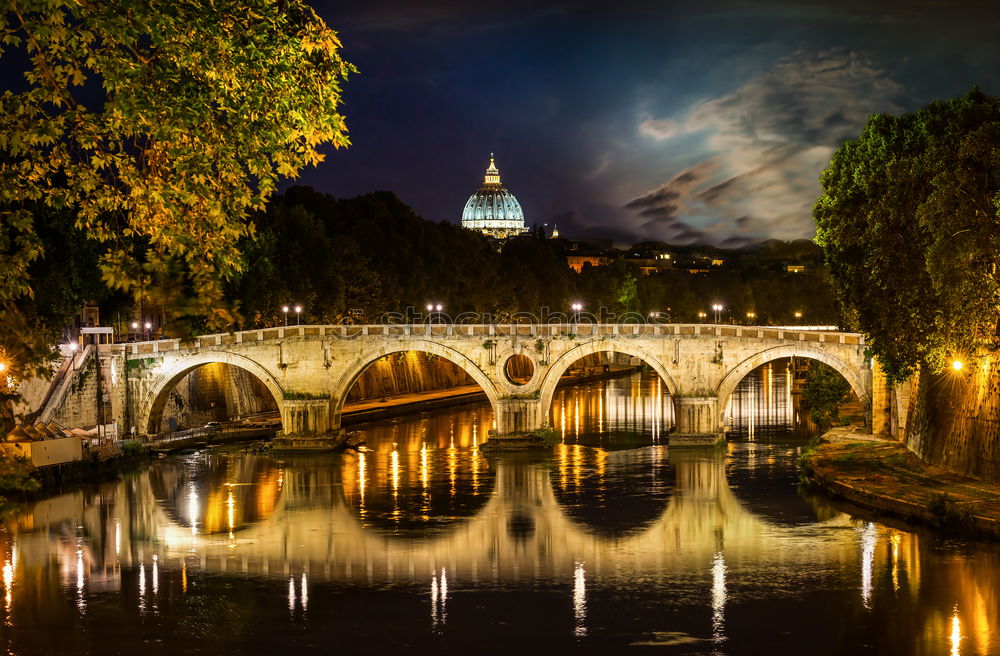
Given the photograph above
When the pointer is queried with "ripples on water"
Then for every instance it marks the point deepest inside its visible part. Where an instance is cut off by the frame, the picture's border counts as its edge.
(613, 539)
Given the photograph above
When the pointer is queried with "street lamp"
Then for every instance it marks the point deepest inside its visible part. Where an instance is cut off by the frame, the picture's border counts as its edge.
(284, 308)
(798, 316)
(577, 307)
(298, 314)
(718, 308)
(701, 316)
(751, 316)
(148, 327)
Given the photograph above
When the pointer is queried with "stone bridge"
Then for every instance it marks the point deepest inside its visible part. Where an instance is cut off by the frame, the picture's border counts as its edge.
(309, 369)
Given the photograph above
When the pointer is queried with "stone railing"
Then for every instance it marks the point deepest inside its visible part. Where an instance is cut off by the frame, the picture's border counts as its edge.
(480, 331)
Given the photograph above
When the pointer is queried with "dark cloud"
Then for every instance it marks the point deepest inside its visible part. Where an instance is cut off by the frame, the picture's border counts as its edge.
(766, 143)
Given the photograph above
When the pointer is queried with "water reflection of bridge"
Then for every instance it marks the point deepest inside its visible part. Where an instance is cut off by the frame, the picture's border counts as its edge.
(303, 522)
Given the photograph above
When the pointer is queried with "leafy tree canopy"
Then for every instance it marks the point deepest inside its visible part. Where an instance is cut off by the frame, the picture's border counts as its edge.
(159, 126)
(374, 254)
(909, 222)
(824, 391)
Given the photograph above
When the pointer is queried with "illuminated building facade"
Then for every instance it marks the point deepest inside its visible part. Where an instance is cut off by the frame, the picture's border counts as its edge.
(493, 210)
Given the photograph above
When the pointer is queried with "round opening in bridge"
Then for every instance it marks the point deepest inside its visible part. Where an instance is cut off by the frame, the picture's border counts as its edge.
(519, 369)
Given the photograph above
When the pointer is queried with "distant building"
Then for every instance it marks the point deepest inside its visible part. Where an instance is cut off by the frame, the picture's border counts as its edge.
(493, 210)
(555, 231)
(795, 268)
(577, 262)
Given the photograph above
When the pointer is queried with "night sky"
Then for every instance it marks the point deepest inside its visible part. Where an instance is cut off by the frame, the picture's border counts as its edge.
(675, 121)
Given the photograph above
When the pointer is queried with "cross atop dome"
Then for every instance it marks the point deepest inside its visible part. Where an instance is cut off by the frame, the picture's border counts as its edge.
(492, 173)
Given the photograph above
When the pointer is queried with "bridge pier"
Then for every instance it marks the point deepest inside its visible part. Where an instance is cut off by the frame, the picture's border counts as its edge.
(516, 421)
(519, 416)
(696, 421)
(307, 417)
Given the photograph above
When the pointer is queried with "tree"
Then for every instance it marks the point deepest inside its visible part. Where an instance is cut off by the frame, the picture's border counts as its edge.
(160, 126)
(909, 222)
(824, 391)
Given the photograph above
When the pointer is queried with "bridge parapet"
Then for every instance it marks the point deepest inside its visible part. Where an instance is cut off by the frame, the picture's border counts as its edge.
(438, 330)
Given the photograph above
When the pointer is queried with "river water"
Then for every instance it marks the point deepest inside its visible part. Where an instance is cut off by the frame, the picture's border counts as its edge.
(612, 540)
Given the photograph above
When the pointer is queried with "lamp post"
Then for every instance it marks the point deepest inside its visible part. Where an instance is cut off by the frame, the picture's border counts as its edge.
(577, 307)
(284, 308)
(431, 309)
(701, 316)
(298, 314)
(718, 308)
(750, 317)
(798, 316)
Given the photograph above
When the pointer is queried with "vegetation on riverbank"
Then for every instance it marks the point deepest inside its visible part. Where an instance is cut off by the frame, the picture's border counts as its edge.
(21, 482)
(17, 477)
(886, 478)
(908, 221)
(825, 390)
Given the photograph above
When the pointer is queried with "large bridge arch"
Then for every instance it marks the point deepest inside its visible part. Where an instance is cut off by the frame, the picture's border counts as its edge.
(151, 409)
(852, 375)
(562, 363)
(348, 378)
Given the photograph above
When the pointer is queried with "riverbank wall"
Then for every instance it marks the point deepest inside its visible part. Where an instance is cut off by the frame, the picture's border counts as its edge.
(953, 419)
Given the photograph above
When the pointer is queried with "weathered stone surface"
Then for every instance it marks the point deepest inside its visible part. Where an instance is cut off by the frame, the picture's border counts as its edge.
(310, 369)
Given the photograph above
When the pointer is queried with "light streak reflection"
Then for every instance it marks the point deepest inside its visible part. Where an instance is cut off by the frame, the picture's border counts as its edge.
(718, 598)
(956, 634)
(869, 535)
(579, 600)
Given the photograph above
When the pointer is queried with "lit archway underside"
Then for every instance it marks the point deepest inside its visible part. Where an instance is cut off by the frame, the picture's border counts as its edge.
(567, 359)
(151, 411)
(738, 373)
(422, 346)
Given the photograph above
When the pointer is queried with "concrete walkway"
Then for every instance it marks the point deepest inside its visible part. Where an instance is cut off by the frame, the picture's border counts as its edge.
(885, 477)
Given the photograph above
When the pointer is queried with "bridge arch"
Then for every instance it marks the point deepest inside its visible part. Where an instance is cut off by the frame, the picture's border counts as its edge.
(562, 363)
(365, 360)
(852, 375)
(152, 406)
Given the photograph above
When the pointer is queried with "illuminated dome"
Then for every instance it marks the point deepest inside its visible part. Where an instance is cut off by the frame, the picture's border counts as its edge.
(493, 210)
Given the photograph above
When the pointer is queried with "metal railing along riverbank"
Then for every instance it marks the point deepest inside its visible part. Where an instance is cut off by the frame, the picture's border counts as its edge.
(208, 435)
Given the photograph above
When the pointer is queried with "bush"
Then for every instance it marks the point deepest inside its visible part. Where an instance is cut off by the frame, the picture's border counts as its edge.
(16, 475)
(132, 448)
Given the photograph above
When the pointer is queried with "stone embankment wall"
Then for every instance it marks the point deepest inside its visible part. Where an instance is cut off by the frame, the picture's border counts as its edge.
(954, 420)
(70, 399)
